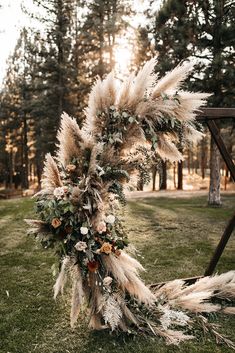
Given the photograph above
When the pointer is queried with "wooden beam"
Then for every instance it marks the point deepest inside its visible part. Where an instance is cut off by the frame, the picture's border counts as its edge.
(216, 113)
(221, 146)
(220, 247)
(188, 281)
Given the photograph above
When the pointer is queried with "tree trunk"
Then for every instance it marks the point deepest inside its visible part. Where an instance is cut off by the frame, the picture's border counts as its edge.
(25, 159)
(154, 174)
(180, 176)
(60, 39)
(140, 185)
(174, 174)
(163, 176)
(203, 156)
(214, 190)
(189, 160)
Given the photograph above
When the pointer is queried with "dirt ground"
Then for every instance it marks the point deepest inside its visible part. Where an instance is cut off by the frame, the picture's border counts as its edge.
(132, 195)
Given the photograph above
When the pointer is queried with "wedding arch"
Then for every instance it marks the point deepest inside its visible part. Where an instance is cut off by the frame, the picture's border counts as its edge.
(127, 125)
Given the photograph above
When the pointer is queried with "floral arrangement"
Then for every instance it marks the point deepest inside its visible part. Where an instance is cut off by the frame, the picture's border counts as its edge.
(126, 128)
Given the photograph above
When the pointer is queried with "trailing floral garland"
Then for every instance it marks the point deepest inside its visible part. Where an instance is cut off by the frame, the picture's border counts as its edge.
(126, 130)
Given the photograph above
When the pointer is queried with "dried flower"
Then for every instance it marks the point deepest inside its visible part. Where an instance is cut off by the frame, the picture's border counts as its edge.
(107, 281)
(70, 168)
(117, 252)
(60, 192)
(84, 230)
(92, 266)
(110, 219)
(68, 229)
(106, 248)
(101, 228)
(56, 222)
(81, 246)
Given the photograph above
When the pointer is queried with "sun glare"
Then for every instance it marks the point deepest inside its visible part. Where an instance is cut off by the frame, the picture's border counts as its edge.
(123, 58)
(123, 55)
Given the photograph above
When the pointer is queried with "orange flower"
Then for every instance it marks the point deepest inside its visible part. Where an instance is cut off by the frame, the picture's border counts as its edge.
(106, 248)
(70, 168)
(92, 266)
(56, 222)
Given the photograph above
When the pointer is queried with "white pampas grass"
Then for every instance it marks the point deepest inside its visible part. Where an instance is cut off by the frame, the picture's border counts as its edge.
(195, 302)
(172, 80)
(109, 92)
(170, 290)
(102, 96)
(229, 310)
(213, 283)
(172, 336)
(51, 176)
(77, 294)
(142, 83)
(167, 150)
(125, 271)
(94, 102)
(195, 297)
(124, 92)
(62, 278)
(70, 139)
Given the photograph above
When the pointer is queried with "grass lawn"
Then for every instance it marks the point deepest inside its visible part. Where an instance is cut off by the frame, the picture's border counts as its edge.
(175, 237)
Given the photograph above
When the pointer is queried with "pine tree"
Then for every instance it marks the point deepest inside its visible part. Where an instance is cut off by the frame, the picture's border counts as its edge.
(15, 116)
(55, 85)
(204, 30)
(172, 33)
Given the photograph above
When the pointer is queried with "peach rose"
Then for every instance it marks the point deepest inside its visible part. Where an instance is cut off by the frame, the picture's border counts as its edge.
(106, 248)
(70, 168)
(101, 228)
(56, 222)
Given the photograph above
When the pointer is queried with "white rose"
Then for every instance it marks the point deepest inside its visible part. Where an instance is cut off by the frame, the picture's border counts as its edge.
(59, 192)
(110, 219)
(84, 230)
(107, 281)
(81, 246)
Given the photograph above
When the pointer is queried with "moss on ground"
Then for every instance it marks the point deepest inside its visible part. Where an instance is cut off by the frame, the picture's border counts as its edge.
(175, 237)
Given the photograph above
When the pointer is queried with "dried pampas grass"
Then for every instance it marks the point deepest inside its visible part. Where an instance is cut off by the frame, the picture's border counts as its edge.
(167, 150)
(142, 82)
(51, 176)
(71, 140)
(126, 271)
(62, 278)
(172, 80)
(77, 294)
(195, 297)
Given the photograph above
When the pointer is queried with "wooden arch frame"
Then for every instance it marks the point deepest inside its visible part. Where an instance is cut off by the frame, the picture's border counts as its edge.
(210, 116)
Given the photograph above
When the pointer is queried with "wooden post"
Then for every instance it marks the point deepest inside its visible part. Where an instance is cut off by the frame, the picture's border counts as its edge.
(220, 247)
(209, 115)
(221, 146)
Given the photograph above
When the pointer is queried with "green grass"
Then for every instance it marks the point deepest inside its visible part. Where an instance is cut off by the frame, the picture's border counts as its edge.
(175, 237)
